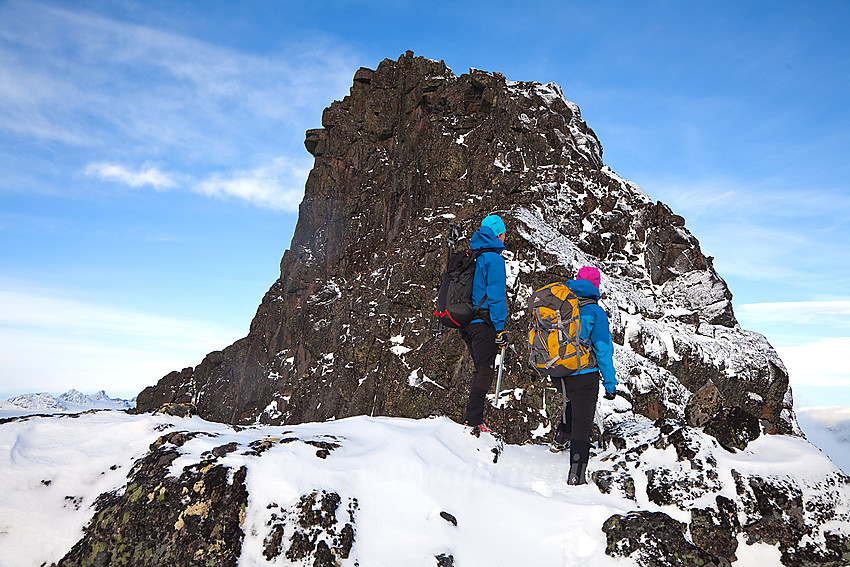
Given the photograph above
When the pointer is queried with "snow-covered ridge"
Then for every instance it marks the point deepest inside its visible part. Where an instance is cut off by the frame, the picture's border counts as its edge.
(459, 492)
(72, 401)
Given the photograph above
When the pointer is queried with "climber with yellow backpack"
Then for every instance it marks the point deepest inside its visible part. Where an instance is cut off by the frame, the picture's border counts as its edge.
(570, 342)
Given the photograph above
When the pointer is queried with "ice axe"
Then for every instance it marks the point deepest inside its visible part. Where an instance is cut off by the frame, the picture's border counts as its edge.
(500, 360)
(598, 417)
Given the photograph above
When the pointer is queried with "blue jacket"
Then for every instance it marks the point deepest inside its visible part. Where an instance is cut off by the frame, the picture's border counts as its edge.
(595, 330)
(490, 277)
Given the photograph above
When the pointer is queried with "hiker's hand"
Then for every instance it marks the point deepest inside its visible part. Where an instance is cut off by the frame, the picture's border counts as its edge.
(502, 339)
(610, 395)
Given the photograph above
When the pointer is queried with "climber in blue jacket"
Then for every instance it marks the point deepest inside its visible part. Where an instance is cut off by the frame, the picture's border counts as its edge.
(580, 390)
(484, 336)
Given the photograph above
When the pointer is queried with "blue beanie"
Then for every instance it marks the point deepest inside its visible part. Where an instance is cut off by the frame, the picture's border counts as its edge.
(495, 223)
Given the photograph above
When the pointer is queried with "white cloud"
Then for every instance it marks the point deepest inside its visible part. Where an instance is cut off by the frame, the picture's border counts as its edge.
(798, 327)
(797, 311)
(121, 174)
(279, 185)
(825, 362)
(832, 416)
(49, 343)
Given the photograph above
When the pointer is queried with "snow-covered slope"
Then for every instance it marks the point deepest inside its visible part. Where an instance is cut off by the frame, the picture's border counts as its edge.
(412, 491)
(71, 401)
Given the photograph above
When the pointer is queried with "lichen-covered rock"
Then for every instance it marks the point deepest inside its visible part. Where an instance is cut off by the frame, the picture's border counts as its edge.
(654, 539)
(778, 511)
(715, 531)
(159, 519)
(734, 428)
(703, 405)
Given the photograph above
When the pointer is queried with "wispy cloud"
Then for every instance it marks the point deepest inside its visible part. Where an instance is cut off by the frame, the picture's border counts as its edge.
(123, 175)
(37, 311)
(279, 185)
(132, 93)
(799, 327)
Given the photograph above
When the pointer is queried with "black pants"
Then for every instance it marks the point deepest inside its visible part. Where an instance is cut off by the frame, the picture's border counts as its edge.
(582, 391)
(480, 339)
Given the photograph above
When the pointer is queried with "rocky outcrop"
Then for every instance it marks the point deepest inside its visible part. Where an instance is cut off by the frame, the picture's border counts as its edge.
(347, 328)
(671, 466)
(160, 519)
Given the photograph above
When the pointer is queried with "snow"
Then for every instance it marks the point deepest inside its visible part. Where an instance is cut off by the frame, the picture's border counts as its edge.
(398, 347)
(55, 467)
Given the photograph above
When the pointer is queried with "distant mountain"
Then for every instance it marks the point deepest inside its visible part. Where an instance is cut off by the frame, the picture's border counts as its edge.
(75, 397)
(72, 401)
(37, 402)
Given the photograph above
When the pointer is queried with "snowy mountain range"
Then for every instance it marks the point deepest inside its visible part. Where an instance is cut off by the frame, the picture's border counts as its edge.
(72, 401)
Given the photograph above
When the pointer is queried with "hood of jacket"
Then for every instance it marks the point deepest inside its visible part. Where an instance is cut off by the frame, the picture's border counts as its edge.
(486, 238)
(583, 288)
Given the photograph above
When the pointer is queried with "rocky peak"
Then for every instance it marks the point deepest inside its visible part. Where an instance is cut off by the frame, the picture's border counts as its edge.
(347, 328)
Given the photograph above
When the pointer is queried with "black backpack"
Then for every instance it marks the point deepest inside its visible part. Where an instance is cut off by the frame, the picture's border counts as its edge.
(454, 301)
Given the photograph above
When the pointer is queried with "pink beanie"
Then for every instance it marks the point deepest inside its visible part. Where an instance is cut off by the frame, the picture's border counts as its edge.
(590, 274)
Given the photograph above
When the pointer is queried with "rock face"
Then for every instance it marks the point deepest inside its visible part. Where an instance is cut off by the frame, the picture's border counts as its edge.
(347, 328)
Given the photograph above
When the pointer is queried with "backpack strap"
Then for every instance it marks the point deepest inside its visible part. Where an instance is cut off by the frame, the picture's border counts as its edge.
(476, 252)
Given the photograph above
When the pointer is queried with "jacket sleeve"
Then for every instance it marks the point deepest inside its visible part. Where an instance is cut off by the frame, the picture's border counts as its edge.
(496, 276)
(600, 337)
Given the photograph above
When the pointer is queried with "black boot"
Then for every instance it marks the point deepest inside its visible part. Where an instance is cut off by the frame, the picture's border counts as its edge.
(561, 441)
(579, 455)
(576, 475)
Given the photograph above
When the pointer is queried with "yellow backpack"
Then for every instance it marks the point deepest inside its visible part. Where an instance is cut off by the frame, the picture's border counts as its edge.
(554, 338)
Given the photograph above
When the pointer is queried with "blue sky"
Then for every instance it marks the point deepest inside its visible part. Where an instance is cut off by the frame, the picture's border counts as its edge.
(152, 158)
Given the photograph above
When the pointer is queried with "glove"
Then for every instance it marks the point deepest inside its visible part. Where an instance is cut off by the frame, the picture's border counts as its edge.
(502, 339)
(610, 395)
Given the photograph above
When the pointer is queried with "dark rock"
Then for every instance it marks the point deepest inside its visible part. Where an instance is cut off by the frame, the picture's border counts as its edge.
(409, 148)
(686, 445)
(703, 405)
(449, 518)
(607, 481)
(444, 560)
(733, 428)
(177, 409)
(713, 532)
(315, 141)
(224, 449)
(311, 529)
(346, 329)
(654, 539)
